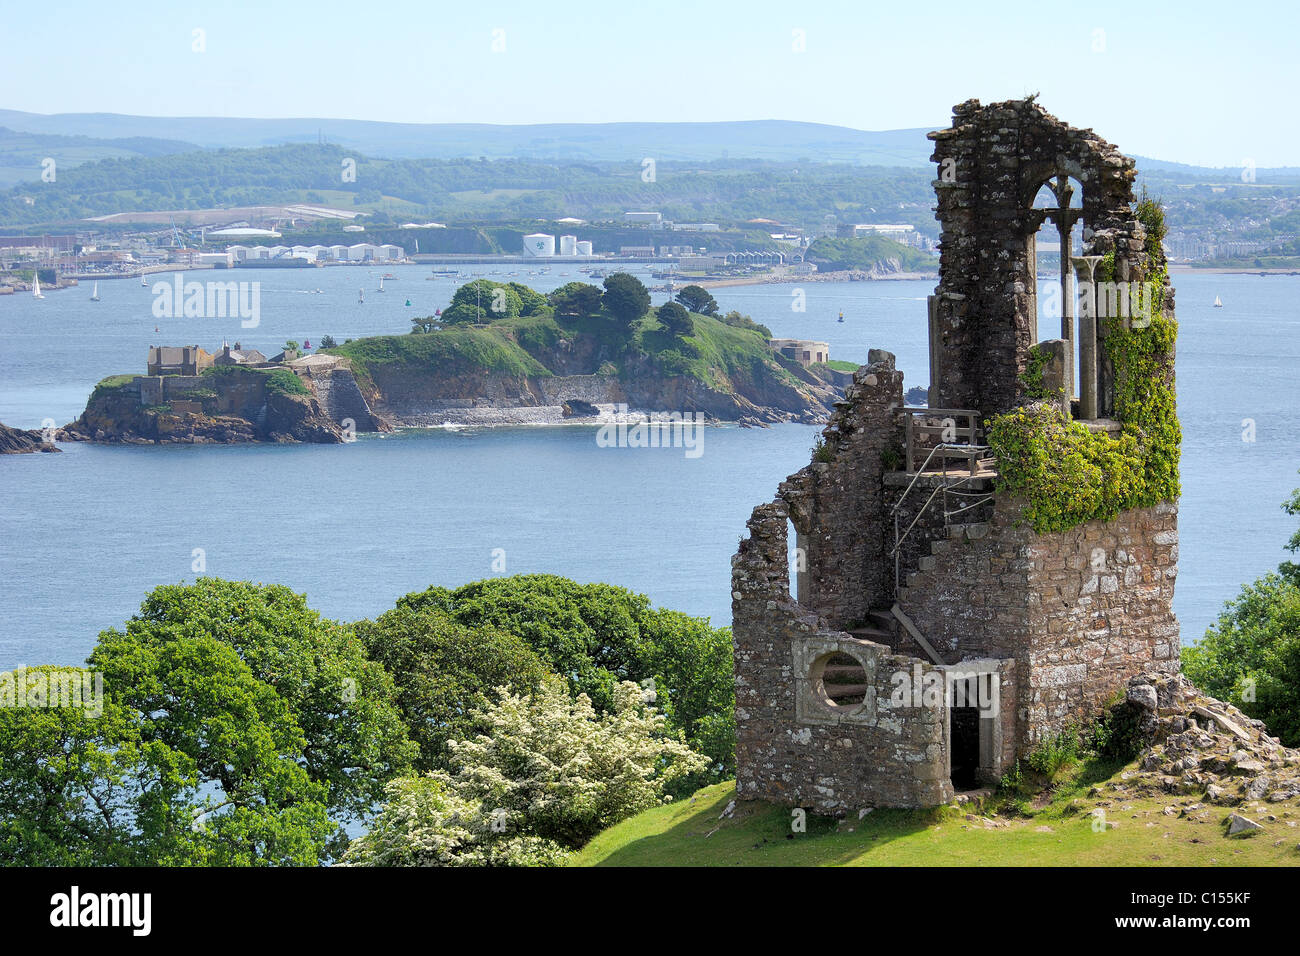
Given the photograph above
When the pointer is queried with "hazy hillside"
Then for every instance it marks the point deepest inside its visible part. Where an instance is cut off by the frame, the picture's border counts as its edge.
(631, 142)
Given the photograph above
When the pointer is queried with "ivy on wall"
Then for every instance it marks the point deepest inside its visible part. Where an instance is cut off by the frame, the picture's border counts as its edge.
(1069, 474)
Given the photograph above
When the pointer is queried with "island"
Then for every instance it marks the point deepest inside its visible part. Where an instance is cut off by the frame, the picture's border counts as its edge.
(500, 354)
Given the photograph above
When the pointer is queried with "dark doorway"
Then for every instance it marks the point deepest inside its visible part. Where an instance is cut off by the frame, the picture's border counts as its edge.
(965, 747)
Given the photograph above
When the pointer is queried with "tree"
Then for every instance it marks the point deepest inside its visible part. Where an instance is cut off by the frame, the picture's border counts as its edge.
(1251, 655)
(676, 321)
(544, 774)
(531, 301)
(626, 297)
(698, 299)
(328, 342)
(86, 790)
(425, 324)
(255, 663)
(595, 635)
(482, 301)
(576, 299)
(445, 671)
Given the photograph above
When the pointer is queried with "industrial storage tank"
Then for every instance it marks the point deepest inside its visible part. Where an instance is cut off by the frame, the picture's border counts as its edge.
(539, 244)
(584, 248)
(568, 245)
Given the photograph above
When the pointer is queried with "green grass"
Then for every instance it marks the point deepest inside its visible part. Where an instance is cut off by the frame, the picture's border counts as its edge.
(842, 366)
(1060, 832)
(449, 351)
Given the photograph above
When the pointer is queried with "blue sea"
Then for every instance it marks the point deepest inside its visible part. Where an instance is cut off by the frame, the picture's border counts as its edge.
(86, 533)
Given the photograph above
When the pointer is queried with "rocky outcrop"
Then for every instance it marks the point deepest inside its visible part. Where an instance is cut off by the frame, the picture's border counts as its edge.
(1205, 754)
(231, 409)
(16, 441)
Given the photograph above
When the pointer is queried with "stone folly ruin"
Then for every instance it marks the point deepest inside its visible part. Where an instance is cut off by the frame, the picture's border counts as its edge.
(990, 570)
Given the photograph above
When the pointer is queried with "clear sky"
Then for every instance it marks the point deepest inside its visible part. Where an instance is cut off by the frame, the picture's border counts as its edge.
(1197, 82)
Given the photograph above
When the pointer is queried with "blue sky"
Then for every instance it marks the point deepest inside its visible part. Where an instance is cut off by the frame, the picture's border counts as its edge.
(1205, 83)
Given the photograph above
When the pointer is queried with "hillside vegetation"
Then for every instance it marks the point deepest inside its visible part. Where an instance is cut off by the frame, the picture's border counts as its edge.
(702, 831)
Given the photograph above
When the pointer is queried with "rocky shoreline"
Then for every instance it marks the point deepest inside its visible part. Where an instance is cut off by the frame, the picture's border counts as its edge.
(18, 441)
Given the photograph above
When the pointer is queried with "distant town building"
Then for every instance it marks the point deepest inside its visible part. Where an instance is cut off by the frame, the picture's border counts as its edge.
(643, 218)
(643, 252)
(584, 248)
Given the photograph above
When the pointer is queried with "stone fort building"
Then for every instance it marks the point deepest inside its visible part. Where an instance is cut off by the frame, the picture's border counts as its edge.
(916, 569)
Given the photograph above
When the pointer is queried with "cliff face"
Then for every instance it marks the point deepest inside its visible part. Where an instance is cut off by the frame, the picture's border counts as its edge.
(16, 441)
(591, 380)
(217, 409)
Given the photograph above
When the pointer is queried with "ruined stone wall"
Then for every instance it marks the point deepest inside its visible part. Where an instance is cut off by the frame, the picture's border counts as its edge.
(838, 505)
(790, 753)
(992, 162)
(1079, 611)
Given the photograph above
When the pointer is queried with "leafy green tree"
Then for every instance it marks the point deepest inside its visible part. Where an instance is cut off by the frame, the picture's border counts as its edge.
(697, 299)
(531, 301)
(78, 789)
(544, 774)
(675, 320)
(626, 297)
(596, 635)
(425, 324)
(445, 671)
(305, 683)
(576, 299)
(327, 342)
(483, 301)
(1251, 656)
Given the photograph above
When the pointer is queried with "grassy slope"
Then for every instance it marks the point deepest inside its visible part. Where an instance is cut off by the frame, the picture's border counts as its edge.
(512, 346)
(692, 833)
(453, 351)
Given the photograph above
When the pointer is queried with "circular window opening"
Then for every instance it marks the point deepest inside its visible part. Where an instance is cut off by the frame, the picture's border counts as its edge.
(843, 680)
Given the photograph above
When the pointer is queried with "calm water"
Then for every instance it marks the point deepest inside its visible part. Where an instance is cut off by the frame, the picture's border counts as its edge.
(84, 534)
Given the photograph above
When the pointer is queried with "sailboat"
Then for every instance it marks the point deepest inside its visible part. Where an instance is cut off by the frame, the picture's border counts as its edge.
(36, 287)
(1218, 303)
(362, 299)
(144, 281)
(94, 293)
(381, 283)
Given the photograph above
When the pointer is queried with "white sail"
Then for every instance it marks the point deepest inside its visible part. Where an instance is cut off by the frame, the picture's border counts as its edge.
(1218, 304)
(36, 287)
(94, 293)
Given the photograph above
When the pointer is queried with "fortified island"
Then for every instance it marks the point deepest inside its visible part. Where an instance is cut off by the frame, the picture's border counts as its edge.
(537, 360)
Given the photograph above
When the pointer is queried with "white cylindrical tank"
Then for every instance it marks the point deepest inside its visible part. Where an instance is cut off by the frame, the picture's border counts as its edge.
(539, 244)
(584, 248)
(568, 245)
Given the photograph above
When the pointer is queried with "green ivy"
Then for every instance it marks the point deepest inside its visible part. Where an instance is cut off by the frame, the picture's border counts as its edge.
(1069, 474)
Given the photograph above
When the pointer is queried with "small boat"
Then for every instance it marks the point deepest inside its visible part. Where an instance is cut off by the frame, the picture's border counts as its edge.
(94, 293)
(144, 281)
(1218, 303)
(36, 287)
(381, 284)
(362, 297)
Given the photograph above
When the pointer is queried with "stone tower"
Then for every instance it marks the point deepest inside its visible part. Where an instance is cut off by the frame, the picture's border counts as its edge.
(952, 605)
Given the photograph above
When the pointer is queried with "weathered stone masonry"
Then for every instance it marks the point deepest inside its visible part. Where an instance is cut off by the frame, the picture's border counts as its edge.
(1053, 624)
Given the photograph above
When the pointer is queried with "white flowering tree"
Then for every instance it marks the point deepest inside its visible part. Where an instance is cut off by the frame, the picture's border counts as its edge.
(544, 776)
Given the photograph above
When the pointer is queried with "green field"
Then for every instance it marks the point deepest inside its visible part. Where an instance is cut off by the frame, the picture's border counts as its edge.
(1061, 832)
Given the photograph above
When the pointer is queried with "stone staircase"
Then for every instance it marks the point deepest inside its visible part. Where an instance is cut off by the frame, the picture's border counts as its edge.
(955, 535)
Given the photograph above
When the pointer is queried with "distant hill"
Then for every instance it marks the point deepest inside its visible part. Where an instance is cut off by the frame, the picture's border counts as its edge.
(22, 153)
(757, 139)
